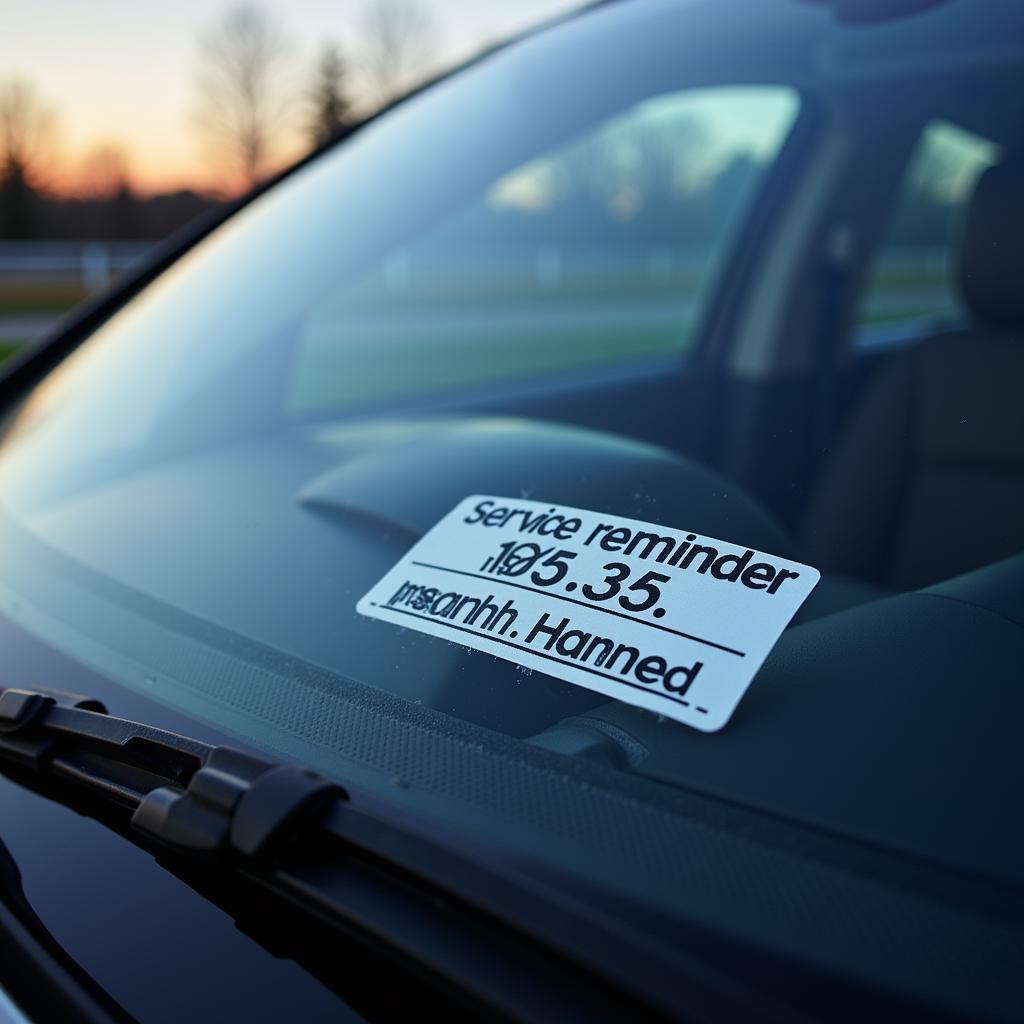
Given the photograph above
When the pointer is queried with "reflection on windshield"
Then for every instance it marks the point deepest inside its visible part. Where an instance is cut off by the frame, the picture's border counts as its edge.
(600, 251)
(249, 440)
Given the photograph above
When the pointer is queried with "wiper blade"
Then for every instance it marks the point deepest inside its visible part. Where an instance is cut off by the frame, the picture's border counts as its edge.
(185, 793)
(492, 938)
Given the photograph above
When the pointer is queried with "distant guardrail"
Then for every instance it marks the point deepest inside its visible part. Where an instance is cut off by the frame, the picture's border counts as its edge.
(91, 264)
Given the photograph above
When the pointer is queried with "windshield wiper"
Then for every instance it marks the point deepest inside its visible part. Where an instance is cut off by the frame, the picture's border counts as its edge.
(184, 793)
(493, 938)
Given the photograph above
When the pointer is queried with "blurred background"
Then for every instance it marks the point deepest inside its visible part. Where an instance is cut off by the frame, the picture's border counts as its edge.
(121, 121)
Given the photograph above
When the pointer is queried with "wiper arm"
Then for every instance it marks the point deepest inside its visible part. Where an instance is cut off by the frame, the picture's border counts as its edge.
(187, 794)
(495, 939)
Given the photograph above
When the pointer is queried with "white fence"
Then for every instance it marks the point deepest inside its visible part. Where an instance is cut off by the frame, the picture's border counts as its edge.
(90, 264)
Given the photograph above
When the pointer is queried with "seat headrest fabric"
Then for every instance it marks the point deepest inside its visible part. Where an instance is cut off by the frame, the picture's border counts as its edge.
(991, 269)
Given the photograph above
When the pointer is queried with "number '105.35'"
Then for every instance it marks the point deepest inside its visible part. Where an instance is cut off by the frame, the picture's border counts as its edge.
(546, 567)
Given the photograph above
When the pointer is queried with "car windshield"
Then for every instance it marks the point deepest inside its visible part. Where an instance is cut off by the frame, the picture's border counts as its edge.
(230, 443)
(740, 270)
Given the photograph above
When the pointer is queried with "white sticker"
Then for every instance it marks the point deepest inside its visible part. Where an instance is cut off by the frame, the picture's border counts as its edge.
(664, 619)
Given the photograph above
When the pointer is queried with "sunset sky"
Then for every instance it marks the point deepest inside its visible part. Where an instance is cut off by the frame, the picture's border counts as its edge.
(123, 73)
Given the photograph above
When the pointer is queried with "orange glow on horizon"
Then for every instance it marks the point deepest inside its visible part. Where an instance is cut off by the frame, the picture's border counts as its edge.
(67, 179)
(123, 75)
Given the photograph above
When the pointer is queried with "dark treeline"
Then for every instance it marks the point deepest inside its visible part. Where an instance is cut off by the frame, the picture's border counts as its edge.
(609, 188)
(922, 218)
(658, 216)
(26, 214)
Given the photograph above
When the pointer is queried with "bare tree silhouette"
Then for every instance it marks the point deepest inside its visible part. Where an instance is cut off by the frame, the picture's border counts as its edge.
(239, 83)
(26, 148)
(26, 132)
(328, 98)
(643, 158)
(397, 41)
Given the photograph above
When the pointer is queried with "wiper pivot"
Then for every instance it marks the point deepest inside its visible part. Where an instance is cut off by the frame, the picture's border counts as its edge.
(235, 801)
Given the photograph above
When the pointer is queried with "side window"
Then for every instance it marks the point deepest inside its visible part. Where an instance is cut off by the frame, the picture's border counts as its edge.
(599, 251)
(911, 289)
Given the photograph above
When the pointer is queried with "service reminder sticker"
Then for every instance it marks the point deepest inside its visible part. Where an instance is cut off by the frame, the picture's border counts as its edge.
(667, 620)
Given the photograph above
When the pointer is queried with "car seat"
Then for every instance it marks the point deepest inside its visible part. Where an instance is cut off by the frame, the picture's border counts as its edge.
(928, 480)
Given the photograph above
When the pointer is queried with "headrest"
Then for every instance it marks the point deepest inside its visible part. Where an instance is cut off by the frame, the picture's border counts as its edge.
(992, 247)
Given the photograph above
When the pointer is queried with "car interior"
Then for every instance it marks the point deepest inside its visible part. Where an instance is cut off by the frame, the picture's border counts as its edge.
(834, 403)
(892, 463)
(895, 465)
(842, 398)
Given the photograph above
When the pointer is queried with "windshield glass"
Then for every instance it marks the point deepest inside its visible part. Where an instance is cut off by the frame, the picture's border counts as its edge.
(699, 266)
(190, 451)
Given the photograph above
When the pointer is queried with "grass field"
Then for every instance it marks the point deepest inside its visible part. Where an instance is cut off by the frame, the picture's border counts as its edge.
(412, 365)
(27, 298)
(21, 300)
(357, 373)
